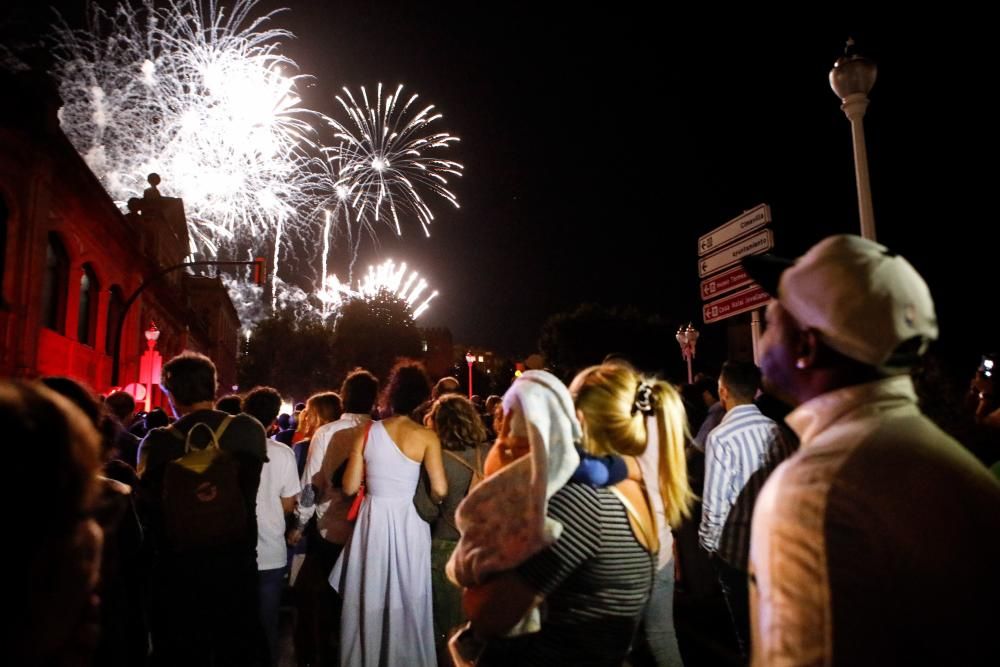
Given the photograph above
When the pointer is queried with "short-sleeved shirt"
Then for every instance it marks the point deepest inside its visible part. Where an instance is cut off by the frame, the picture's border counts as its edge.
(279, 479)
(595, 577)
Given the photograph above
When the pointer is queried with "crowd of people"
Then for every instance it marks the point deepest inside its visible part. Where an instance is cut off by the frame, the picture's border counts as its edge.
(802, 513)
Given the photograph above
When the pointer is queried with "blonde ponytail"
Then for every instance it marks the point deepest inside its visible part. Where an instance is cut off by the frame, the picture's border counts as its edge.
(672, 432)
(615, 403)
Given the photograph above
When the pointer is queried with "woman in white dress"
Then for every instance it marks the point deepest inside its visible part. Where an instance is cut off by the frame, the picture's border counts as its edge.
(383, 574)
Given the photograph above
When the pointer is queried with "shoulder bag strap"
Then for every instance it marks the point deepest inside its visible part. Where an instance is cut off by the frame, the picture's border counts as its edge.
(458, 458)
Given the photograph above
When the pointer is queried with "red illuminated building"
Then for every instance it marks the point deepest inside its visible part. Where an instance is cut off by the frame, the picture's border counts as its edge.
(69, 259)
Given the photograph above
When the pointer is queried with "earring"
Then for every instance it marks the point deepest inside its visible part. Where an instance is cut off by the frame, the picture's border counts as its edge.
(800, 363)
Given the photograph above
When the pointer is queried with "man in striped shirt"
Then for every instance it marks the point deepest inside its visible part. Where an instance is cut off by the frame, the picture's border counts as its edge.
(739, 455)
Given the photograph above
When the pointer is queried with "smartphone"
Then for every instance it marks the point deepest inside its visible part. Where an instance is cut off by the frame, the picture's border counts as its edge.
(986, 365)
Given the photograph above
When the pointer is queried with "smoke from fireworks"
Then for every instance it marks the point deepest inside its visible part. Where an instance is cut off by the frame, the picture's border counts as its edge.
(202, 96)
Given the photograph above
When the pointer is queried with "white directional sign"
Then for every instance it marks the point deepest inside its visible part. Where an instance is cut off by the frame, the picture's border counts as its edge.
(753, 219)
(755, 244)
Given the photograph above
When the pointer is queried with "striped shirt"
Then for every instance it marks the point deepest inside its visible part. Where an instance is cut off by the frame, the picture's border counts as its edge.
(739, 455)
(596, 579)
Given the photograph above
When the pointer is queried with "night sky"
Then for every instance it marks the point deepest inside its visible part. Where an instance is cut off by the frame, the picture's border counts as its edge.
(599, 144)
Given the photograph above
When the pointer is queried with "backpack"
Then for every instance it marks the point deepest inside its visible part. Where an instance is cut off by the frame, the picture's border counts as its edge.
(202, 502)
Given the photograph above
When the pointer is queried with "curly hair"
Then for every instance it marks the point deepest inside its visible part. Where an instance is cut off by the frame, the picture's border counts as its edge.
(457, 423)
(408, 387)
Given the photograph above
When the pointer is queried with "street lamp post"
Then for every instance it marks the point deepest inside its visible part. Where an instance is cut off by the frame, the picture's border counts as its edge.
(851, 78)
(259, 274)
(470, 359)
(150, 364)
(687, 338)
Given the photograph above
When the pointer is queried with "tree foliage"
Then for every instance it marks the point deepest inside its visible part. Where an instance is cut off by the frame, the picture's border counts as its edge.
(294, 355)
(374, 333)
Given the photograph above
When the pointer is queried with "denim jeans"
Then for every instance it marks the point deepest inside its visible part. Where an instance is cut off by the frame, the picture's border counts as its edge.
(270, 584)
(658, 619)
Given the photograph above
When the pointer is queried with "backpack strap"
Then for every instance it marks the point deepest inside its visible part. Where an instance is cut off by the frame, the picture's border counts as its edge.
(186, 437)
(222, 427)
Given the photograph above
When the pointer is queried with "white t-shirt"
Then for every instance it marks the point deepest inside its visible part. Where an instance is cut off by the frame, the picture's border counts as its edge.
(278, 479)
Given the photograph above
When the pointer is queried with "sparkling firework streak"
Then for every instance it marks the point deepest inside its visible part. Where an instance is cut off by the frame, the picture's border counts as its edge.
(386, 277)
(384, 158)
(200, 96)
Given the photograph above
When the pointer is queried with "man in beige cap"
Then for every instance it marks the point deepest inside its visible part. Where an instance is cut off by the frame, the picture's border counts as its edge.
(878, 542)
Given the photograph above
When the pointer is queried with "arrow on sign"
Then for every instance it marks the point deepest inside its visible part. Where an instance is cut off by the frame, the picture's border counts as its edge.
(755, 244)
(743, 224)
(734, 304)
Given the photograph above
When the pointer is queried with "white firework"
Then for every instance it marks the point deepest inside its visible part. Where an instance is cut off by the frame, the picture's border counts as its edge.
(387, 155)
(386, 277)
(201, 95)
(203, 98)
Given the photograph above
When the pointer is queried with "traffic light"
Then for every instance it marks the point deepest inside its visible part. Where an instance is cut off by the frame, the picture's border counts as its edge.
(259, 271)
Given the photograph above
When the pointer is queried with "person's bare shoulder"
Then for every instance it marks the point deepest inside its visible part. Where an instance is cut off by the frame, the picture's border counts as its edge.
(425, 434)
(407, 430)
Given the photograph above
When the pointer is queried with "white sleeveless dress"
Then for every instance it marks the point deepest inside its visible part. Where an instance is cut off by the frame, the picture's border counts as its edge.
(383, 574)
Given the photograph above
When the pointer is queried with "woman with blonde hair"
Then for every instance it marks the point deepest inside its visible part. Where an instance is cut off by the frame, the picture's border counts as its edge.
(557, 571)
(321, 408)
(626, 414)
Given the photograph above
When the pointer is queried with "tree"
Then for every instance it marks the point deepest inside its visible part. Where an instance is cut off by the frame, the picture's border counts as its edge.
(572, 341)
(293, 355)
(374, 332)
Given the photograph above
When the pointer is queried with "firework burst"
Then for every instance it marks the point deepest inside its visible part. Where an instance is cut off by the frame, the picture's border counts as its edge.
(203, 98)
(386, 277)
(201, 95)
(387, 155)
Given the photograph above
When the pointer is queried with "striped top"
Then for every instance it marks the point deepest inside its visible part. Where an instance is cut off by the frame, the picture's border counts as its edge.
(595, 578)
(739, 455)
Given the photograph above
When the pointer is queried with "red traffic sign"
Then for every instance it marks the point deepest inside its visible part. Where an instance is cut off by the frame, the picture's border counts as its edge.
(739, 226)
(724, 282)
(754, 244)
(734, 304)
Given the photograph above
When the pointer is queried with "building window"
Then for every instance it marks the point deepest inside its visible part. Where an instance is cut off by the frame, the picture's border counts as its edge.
(55, 285)
(116, 304)
(86, 323)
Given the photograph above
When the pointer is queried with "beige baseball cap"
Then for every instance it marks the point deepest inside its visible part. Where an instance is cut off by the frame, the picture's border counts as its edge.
(866, 302)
